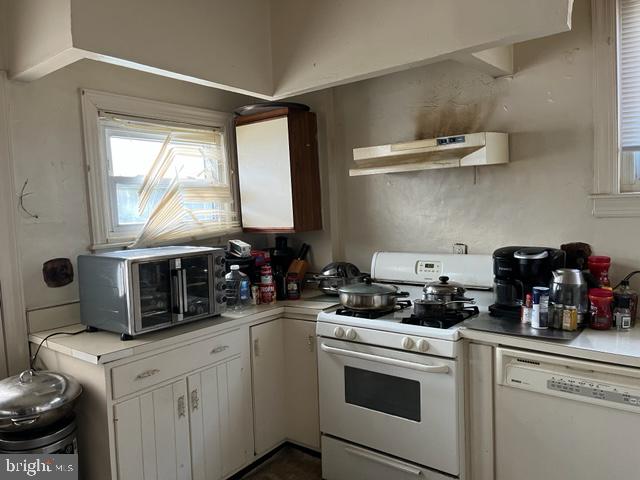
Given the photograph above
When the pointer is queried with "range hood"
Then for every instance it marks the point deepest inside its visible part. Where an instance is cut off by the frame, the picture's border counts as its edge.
(467, 150)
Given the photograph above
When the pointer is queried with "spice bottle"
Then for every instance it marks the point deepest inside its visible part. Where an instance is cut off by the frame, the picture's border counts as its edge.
(622, 315)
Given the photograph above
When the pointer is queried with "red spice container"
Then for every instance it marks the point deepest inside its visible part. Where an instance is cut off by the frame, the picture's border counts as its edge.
(599, 267)
(601, 308)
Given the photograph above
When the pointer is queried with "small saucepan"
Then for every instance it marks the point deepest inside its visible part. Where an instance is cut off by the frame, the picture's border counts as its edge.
(369, 296)
(443, 291)
(436, 308)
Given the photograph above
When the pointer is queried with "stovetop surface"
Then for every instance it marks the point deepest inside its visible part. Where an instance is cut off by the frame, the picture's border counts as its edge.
(398, 321)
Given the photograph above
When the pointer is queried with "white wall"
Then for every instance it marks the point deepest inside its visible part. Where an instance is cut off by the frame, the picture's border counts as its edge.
(4, 35)
(47, 150)
(39, 31)
(320, 44)
(540, 198)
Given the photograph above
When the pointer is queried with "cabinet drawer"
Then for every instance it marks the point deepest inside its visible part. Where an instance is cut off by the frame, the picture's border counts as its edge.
(344, 461)
(152, 370)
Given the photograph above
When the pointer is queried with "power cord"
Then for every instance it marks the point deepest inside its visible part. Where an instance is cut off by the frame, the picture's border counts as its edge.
(32, 363)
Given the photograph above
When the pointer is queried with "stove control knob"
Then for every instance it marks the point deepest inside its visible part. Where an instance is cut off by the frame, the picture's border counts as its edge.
(339, 332)
(407, 343)
(423, 345)
(351, 334)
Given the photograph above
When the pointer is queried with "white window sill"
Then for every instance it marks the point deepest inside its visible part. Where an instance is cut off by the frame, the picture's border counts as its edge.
(616, 206)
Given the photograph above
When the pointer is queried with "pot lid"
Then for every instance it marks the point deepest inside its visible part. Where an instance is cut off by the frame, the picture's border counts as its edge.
(35, 392)
(341, 269)
(444, 287)
(366, 287)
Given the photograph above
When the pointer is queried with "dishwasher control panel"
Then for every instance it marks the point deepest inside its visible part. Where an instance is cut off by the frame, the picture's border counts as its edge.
(581, 381)
(600, 391)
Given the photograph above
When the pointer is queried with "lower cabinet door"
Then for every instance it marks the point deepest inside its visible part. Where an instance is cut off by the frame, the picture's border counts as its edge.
(268, 372)
(303, 421)
(152, 435)
(217, 399)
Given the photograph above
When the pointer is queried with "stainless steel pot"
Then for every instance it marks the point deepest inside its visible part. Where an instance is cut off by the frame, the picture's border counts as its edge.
(36, 399)
(444, 291)
(434, 308)
(337, 275)
(368, 296)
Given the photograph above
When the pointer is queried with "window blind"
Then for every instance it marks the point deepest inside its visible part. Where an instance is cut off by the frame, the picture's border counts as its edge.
(191, 175)
(629, 73)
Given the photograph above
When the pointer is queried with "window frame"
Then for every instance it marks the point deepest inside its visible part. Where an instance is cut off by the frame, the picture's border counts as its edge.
(103, 233)
(608, 198)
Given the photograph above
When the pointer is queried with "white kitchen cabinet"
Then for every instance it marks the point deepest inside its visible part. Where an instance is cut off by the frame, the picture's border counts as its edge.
(152, 435)
(215, 413)
(301, 367)
(278, 171)
(268, 375)
(285, 384)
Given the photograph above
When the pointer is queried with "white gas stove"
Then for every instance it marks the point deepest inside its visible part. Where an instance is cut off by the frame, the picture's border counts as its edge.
(391, 387)
(410, 272)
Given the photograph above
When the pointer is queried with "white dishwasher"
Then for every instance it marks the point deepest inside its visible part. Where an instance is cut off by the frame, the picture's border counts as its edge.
(558, 418)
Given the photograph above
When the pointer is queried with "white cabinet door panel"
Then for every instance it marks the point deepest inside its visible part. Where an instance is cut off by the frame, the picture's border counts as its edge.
(268, 361)
(264, 174)
(152, 435)
(232, 416)
(303, 422)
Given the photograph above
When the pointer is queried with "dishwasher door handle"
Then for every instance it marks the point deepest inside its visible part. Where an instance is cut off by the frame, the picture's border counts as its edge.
(385, 360)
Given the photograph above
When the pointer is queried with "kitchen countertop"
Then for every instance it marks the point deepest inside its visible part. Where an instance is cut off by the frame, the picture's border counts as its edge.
(620, 348)
(611, 346)
(103, 347)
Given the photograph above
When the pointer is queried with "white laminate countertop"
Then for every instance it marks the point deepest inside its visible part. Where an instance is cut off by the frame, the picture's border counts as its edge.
(611, 346)
(103, 347)
(620, 348)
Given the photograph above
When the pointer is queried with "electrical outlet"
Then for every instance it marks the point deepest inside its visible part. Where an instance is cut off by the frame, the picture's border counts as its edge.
(460, 248)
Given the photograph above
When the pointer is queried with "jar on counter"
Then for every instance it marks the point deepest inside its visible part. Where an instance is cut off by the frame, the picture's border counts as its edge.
(601, 313)
(622, 292)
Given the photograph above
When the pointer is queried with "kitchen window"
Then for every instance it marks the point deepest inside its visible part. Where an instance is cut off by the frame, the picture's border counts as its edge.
(616, 47)
(158, 173)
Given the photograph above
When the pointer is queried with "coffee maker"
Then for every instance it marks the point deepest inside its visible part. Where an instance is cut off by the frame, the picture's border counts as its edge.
(516, 271)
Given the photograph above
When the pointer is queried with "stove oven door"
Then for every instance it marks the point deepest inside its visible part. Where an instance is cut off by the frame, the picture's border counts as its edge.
(400, 403)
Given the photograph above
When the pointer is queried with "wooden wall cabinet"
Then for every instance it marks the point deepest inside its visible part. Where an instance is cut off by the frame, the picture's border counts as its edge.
(278, 171)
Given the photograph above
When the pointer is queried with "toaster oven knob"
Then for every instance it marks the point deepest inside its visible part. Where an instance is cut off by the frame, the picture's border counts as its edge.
(220, 260)
(221, 286)
(407, 343)
(351, 334)
(338, 332)
(220, 273)
(423, 345)
(221, 299)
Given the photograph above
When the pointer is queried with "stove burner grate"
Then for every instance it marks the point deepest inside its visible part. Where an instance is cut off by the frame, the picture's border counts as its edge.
(373, 314)
(451, 318)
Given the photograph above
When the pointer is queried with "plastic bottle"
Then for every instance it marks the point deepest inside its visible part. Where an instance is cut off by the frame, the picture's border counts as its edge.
(238, 289)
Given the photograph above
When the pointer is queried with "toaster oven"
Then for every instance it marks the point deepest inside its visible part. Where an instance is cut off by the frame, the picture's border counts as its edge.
(131, 292)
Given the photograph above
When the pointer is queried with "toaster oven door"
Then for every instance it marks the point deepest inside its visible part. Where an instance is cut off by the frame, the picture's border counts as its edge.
(198, 285)
(152, 295)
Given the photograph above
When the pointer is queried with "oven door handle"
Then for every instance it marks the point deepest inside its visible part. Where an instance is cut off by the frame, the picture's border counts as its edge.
(402, 466)
(385, 360)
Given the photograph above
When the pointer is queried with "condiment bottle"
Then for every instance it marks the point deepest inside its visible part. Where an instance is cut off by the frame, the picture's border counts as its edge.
(622, 315)
(601, 315)
(527, 310)
(625, 291)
